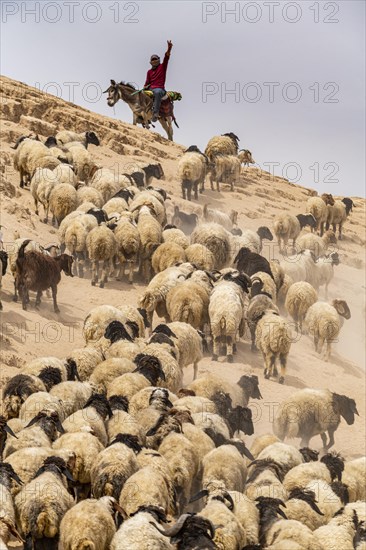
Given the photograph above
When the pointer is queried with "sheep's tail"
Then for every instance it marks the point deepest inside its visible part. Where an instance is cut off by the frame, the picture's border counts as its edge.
(21, 254)
(42, 524)
(223, 323)
(187, 315)
(280, 426)
(84, 544)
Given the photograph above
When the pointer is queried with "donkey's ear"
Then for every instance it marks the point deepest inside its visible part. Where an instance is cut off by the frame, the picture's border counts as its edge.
(113, 82)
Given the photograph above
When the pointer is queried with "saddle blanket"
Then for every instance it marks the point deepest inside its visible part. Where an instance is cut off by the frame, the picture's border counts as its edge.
(173, 96)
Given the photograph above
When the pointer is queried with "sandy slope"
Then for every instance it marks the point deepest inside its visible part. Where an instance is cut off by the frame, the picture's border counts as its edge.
(258, 198)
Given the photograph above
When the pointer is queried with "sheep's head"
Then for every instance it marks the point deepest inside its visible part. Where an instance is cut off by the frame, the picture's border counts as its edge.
(250, 384)
(346, 407)
(150, 367)
(240, 418)
(349, 204)
(264, 233)
(161, 338)
(118, 403)
(164, 329)
(55, 465)
(236, 231)
(50, 376)
(328, 198)
(4, 261)
(341, 490)
(185, 392)
(50, 423)
(191, 526)
(131, 441)
(334, 258)
(7, 475)
(306, 496)
(309, 455)
(99, 402)
(143, 314)
(334, 462)
(342, 308)
(72, 369)
(116, 331)
(91, 137)
(160, 395)
(242, 255)
(66, 262)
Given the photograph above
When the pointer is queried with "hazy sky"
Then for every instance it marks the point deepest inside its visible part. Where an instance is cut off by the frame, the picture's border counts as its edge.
(296, 72)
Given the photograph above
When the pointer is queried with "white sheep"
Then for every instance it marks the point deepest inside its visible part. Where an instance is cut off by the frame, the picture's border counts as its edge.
(173, 234)
(337, 214)
(154, 201)
(317, 206)
(200, 256)
(353, 476)
(310, 412)
(268, 285)
(109, 369)
(250, 239)
(338, 533)
(138, 530)
(226, 312)
(42, 184)
(128, 246)
(323, 271)
(112, 467)
(318, 245)
(324, 322)
(30, 155)
(86, 448)
(62, 201)
(286, 227)
(167, 255)
(189, 344)
(222, 145)
(65, 174)
(154, 296)
(82, 161)
(225, 168)
(191, 173)
(89, 524)
(216, 239)
(188, 301)
(273, 339)
(101, 246)
(216, 216)
(66, 136)
(108, 183)
(299, 266)
(86, 193)
(300, 297)
(39, 510)
(150, 232)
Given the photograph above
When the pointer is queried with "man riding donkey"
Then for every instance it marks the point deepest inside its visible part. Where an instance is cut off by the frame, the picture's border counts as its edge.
(155, 79)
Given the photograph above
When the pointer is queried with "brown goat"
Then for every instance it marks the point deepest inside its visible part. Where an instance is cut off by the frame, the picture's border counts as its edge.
(38, 272)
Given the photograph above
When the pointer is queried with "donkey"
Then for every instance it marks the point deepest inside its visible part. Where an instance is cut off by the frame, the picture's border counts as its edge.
(139, 103)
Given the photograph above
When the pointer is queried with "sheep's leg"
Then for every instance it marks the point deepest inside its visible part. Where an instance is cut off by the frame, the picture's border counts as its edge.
(283, 368)
(229, 349)
(331, 438)
(23, 294)
(340, 231)
(196, 191)
(218, 185)
(15, 297)
(130, 274)
(267, 366)
(212, 182)
(326, 291)
(195, 370)
(189, 192)
(320, 344)
(324, 439)
(252, 335)
(54, 296)
(94, 272)
(38, 298)
(304, 441)
(328, 350)
(183, 192)
(216, 346)
(104, 273)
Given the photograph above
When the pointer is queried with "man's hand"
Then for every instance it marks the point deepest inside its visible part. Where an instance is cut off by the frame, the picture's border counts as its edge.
(170, 44)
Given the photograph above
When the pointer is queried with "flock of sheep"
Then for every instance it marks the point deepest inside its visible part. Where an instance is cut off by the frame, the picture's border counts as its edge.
(106, 448)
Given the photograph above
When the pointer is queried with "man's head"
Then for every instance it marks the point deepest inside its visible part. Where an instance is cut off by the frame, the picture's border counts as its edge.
(154, 60)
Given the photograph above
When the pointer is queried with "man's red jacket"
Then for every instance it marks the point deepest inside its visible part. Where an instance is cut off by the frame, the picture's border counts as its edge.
(156, 77)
